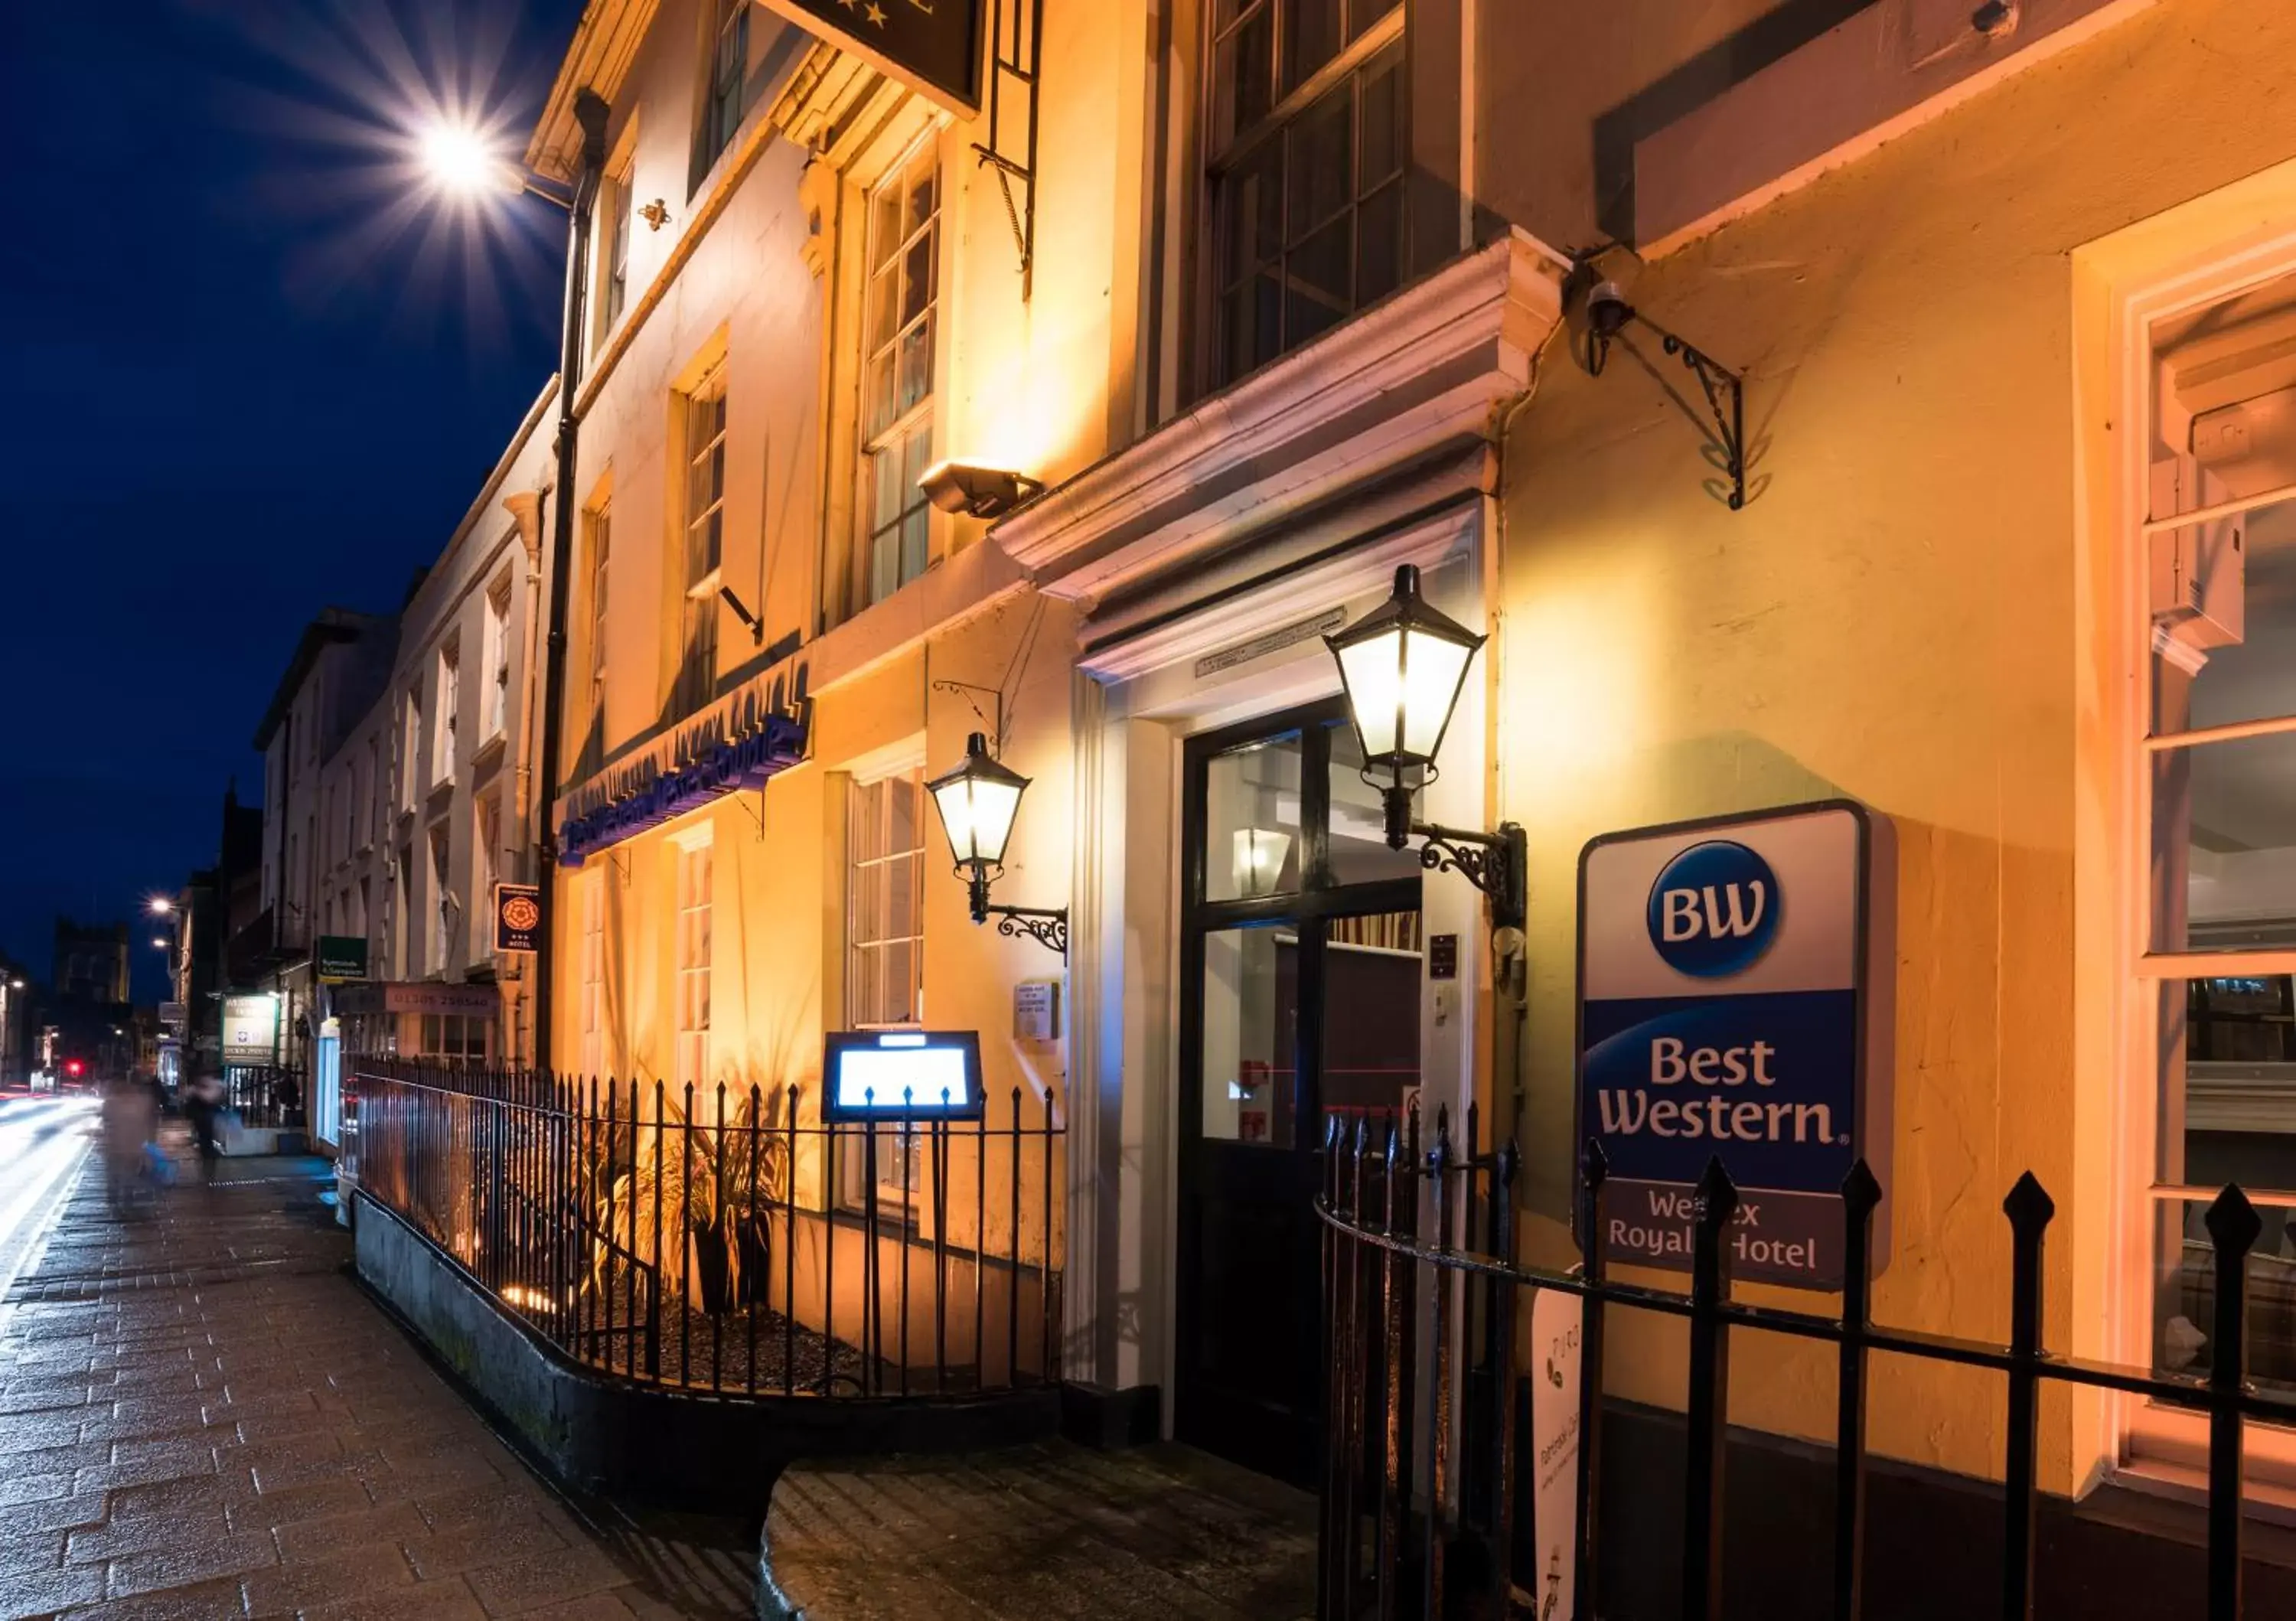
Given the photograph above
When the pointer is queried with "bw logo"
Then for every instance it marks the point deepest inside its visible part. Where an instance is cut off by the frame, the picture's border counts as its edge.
(1714, 910)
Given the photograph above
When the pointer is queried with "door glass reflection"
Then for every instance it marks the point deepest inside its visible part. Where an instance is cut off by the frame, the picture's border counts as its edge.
(1358, 836)
(1250, 1065)
(1252, 820)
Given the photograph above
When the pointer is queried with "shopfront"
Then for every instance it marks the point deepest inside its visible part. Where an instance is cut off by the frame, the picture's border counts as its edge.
(454, 1024)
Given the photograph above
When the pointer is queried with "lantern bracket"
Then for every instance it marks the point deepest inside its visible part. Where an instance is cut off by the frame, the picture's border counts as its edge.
(1607, 315)
(965, 689)
(1048, 926)
(1496, 864)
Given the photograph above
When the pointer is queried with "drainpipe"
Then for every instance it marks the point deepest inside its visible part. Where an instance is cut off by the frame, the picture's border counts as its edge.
(590, 111)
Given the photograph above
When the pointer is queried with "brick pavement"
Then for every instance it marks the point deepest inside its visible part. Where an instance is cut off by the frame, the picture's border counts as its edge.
(202, 1416)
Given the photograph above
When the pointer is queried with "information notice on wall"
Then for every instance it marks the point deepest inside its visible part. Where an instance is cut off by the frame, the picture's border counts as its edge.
(1734, 983)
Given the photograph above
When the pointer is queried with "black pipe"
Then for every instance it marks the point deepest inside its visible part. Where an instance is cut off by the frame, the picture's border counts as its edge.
(590, 111)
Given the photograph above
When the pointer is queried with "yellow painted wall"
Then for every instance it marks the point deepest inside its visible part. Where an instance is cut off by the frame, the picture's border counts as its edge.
(1893, 618)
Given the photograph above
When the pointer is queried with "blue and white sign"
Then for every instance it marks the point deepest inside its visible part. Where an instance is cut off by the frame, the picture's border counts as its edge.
(1734, 1000)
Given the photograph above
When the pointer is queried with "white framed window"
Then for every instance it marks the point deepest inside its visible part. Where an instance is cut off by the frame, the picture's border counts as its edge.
(2205, 634)
(884, 959)
(897, 369)
(727, 76)
(696, 881)
(594, 973)
(486, 868)
(601, 559)
(442, 901)
(410, 748)
(449, 687)
(497, 660)
(705, 542)
(614, 274)
(457, 1038)
(1307, 132)
(884, 907)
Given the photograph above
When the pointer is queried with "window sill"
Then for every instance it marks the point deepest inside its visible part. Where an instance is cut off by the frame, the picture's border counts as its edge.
(490, 752)
(440, 792)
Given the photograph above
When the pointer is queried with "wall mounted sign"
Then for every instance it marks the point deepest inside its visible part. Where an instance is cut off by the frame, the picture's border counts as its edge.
(1442, 956)
(518, 917)
(1735, 981)
(1036, 1011)
(251, 1029)
(902, 1074)
(418, 996)
(1556, 1320)
(339, 958)
(1271, 641)
(718, 768)
(930, 45)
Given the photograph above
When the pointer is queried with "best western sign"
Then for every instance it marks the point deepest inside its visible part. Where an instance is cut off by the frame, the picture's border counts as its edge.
(1734, 982)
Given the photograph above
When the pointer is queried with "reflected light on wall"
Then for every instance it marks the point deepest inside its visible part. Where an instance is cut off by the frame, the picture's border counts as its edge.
(1579, 655)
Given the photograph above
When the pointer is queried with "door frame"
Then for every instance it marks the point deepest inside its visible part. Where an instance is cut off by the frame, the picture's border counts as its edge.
(1311, 905)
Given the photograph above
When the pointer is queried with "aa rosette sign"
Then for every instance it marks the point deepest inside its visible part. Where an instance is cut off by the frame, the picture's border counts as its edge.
(1734, 984)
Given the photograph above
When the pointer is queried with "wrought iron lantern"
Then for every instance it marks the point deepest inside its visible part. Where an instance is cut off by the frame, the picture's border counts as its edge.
(978, 802)
(1403, 666)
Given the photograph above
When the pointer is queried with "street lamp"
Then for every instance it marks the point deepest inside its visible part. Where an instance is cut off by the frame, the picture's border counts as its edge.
(160, 943)
(978, 801)
(462, 162)
(160, 906)
(1403, 666)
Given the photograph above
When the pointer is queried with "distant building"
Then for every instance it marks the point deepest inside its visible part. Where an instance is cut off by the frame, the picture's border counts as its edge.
(15, 1022)
(91, 960)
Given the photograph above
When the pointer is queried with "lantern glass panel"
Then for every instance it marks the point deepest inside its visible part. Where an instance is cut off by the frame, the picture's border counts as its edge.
(977, 814)
(1433, 669)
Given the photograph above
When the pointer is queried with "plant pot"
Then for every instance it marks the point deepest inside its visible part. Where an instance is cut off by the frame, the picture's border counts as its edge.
(710, 1263)
(756, 1234)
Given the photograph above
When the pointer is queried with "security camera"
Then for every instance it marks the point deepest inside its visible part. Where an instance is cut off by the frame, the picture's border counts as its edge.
(984, 492)
(1607, 310)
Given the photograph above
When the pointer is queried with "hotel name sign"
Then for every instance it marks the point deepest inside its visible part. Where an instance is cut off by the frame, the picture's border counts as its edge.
(931, 45)
(1735, 981)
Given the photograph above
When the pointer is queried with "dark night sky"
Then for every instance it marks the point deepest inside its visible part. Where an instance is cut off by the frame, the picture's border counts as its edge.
(251, 370)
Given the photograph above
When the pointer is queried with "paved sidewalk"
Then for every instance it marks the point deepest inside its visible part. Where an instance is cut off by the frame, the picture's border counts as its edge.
(202, 1416)
(1040, 1532)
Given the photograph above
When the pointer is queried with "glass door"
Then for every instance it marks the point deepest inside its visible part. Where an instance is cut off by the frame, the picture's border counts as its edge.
(1300, 981)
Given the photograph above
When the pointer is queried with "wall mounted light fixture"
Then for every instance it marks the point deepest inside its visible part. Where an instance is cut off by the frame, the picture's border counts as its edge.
(1403, 665)
(983, 492)
(978, 801)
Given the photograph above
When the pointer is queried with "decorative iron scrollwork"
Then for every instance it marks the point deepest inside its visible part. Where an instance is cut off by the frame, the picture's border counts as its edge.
(1048, 928)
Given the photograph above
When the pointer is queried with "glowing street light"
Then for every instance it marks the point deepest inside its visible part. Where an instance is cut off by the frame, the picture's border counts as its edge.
(161, 905)
(460, 160)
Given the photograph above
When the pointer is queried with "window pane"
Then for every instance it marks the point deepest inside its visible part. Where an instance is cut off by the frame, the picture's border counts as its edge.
(1251, 327)
(1320, 165)
(1252, 214)
(917, 278)
(915, 546)
(1382, 117)
(2226, 1063)
(1378, 244)
(2224, 845)
(886, 500)
(1318, 287)
(1372, 969)
(2185, 1294)
(1243, 79)
(1311, 32)
(884, 227)
(1358, 832)
(1250, 1033)
(923, 174)
(884, 301)
(1363, 13)
(1251, 813)
(2224, 620)
(916, 365)
(901, 794)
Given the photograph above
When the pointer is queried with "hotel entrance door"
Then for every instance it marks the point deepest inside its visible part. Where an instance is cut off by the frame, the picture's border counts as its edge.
(1301, 986)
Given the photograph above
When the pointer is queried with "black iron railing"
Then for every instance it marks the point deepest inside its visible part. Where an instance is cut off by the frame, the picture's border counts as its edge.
(264, 1096)
(1420, 1296)
(727, 1241)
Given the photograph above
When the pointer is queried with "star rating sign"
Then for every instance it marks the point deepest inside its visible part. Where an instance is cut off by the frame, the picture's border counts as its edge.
(876, 14)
